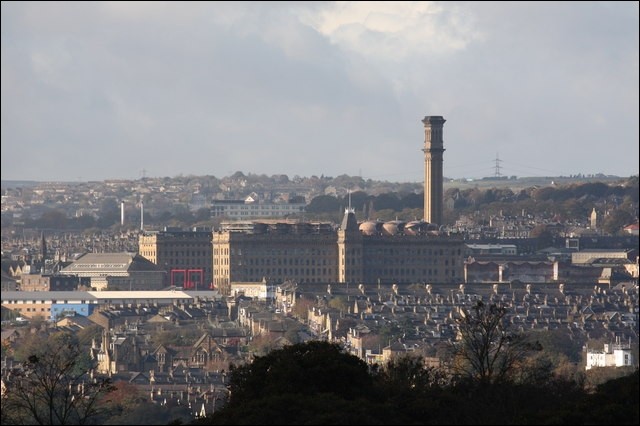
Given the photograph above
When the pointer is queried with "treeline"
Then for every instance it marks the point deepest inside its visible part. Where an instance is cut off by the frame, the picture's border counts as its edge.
(109, 217)
(492, 374)
(569, 202)
(592, 192)
(562, 203)
(317, 383)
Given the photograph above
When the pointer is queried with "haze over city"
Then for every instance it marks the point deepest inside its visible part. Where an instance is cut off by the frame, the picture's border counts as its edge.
(93, 91)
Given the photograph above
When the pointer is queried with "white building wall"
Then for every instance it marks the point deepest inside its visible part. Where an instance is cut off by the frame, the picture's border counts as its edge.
(623, 358)
(616, 358)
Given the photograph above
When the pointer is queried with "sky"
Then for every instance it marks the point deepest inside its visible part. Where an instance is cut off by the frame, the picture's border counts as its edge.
(122, 90)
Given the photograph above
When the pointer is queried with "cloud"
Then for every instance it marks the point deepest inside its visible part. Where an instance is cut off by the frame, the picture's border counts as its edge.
(394, 30)
(104, 90)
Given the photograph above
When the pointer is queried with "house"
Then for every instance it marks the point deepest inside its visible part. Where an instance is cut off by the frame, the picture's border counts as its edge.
(631, 229)
(613, 355)
(117, 353)
(395, 349)
(205, 351)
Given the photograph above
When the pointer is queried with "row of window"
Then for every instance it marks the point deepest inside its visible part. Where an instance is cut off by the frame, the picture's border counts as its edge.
(259, 252)
(260, 207)
(409, 272)
(223, 283)
(185, 253)
(322, 273)
(34, 309)
(176, 262)
(266, 252)
(274, 262)
(411, 252)
(293, 272)
(407, 261)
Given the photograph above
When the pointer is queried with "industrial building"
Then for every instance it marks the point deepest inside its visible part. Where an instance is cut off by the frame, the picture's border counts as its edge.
(369, 252)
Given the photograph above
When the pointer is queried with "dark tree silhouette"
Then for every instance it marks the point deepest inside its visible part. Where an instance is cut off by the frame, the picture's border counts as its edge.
(54, 387)
(487, 350)
(307, 383)
(323, 204)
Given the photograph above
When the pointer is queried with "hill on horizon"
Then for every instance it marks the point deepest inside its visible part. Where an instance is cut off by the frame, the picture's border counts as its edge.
(500, 182)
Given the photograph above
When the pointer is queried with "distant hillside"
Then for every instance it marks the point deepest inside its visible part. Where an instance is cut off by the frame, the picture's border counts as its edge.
(17, 183)
(512, 182)
(529, 182)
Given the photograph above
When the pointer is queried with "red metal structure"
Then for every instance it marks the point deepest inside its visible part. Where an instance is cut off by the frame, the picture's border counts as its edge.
(188, 278)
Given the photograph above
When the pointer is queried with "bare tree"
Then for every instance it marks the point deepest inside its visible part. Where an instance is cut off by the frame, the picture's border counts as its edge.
(53, 386)
(486, 349)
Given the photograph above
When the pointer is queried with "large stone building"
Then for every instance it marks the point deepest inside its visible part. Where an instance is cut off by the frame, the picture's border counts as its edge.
(186, 256)
(370, 252)
(46, 282)
(592, 255)
(354, 253)
(278, 251)
(251, 208)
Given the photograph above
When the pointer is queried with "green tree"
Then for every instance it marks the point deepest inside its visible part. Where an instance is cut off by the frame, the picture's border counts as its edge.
(323, 204)
(340, 303)
(387, 201)
(544, 236)
(614, 223)
(301, 308)
(54, 219)
(202, 215)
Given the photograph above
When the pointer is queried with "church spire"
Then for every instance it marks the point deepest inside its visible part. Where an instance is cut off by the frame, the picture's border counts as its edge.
(43, 246)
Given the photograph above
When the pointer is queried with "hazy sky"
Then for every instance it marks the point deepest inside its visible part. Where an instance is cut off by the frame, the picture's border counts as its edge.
(92, 91)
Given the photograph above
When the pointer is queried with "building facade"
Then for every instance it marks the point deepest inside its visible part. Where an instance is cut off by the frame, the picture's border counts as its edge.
(613, 355)
(51, 304)
(117, 271)
(257, 290)
(370, 252)
(251, 209)
(591, 255)
(493, 249)
(277, 251)
(314, 253)
(186, 256)
(40, 282)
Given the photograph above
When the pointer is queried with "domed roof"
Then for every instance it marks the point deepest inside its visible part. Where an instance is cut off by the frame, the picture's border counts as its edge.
(393, 227)
(416, 227)
(369, 227)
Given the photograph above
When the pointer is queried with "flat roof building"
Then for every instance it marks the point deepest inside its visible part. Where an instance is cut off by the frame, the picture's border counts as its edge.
(31, 304)
(353, 253)
(370, 252)
(252, 209)
(117, 271)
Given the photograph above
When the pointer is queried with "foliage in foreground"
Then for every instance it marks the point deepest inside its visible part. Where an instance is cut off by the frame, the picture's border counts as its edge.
(53, 386)
(317, 383)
